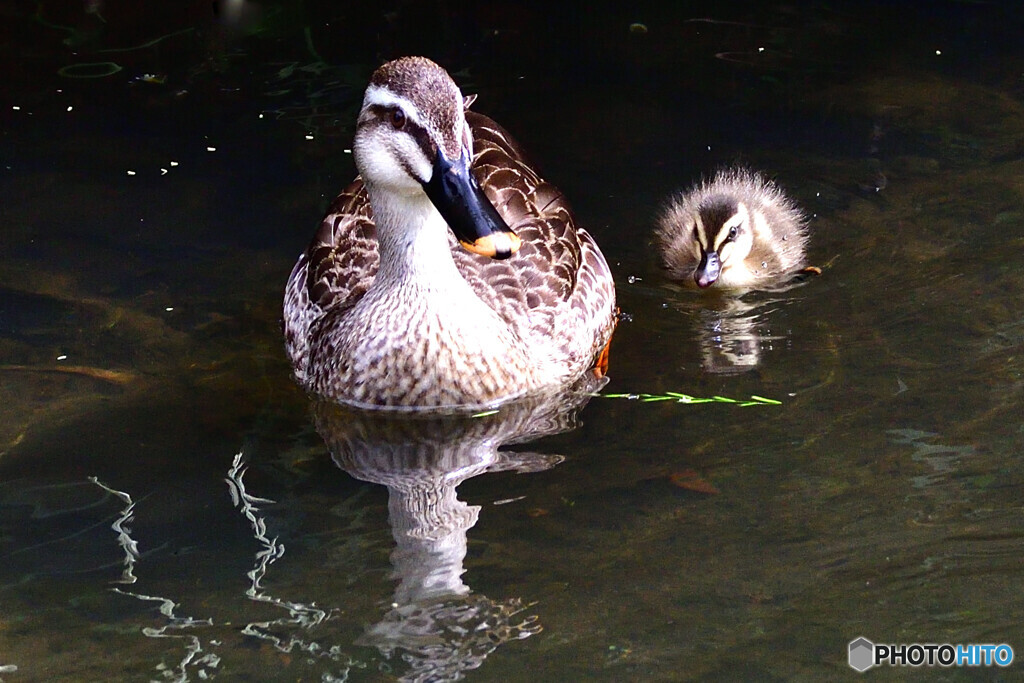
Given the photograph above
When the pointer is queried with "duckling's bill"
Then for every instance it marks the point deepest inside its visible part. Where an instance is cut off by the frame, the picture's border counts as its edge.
(708, 270)
(457, 196)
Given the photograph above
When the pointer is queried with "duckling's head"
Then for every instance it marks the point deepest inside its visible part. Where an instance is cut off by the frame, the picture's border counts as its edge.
(723, 235)
(412, 139)
(736, 230)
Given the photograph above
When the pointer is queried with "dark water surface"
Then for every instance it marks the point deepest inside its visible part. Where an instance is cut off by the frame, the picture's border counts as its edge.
(172, 507)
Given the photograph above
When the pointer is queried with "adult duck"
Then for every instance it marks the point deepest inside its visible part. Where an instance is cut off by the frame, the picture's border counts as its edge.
(386, 310)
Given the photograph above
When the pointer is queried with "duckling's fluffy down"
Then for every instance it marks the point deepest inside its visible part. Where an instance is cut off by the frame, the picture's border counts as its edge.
(778, 225)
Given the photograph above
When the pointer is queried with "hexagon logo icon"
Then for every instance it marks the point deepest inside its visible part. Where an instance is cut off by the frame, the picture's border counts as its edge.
(862, 654)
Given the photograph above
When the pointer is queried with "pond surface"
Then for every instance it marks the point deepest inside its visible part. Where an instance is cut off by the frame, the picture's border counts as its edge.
(173, 507)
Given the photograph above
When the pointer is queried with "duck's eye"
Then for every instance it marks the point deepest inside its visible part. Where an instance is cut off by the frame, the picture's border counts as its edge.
(397, 118)
(733, 231)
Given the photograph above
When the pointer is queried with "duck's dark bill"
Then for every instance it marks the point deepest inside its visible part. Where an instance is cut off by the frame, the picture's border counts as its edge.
(709, 269)
(474, 220)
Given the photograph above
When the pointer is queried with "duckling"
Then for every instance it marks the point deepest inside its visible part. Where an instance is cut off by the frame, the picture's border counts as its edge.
(738, 231)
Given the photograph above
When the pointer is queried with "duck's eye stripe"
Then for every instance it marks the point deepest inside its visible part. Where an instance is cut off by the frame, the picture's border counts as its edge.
(408, 126)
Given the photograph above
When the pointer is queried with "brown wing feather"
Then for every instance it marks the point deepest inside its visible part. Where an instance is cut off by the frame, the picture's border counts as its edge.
(556, 287)
(334, 272)
(344, 251)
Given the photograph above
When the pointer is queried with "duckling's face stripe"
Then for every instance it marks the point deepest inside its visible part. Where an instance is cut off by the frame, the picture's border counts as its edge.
(734, 238)
(725, 230)
(723, 235)
(700, 236)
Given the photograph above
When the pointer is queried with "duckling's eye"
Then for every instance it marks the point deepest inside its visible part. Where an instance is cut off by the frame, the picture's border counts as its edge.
(733, 231)
(397, 118)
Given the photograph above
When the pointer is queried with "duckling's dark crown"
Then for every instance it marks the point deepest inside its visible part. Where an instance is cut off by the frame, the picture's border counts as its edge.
(716, 210)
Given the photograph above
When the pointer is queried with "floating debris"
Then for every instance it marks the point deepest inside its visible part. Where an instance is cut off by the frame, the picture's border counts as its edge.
(506, 501)
(686, 398)
(120, 377)
(89, 70)
(691, 481)
(155, 79)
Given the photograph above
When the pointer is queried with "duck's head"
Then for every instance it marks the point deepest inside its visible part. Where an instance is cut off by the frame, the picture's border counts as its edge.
(723, 233)
(412, 138)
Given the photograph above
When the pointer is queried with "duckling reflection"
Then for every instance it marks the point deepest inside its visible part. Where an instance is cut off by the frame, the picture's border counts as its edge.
(436, 624)
(734, 334)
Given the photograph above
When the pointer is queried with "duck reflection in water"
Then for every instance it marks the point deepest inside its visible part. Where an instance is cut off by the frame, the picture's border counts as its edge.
(435, 623)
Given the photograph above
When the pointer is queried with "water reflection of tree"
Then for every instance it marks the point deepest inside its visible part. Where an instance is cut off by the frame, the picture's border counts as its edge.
(435, 623)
